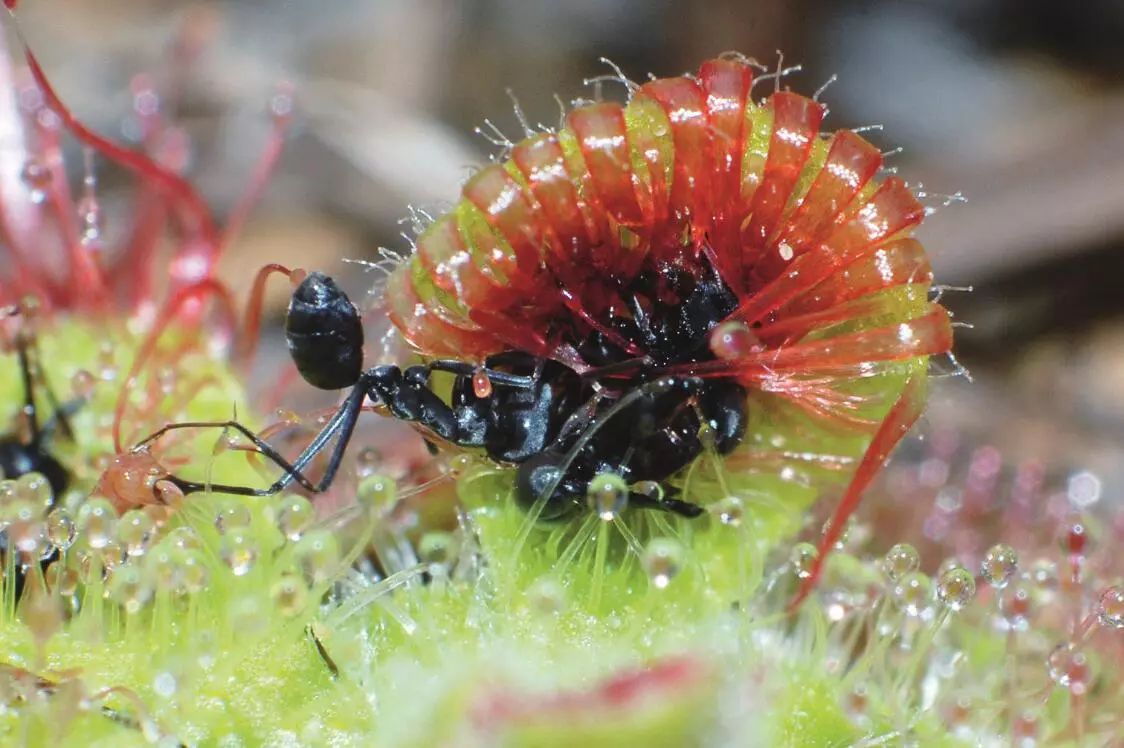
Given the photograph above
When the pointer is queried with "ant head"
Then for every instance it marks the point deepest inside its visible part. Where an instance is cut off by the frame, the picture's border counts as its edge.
(324, 333)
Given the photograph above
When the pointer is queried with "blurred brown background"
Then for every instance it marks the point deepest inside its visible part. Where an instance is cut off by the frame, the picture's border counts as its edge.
(1017, 104)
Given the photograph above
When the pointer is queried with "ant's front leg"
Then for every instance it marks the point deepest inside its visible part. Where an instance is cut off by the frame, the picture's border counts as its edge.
(339, 427)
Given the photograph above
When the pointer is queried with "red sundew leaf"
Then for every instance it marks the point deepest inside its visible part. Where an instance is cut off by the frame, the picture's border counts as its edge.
(443, 254)
(927, 335)
(418, 322)
(796, 123)
(673, 677)
(901, 417)
(184, 194)
(894, 264)
(727, 86)
(890, 211)
(197, 292)
(686, 108)
(600, 131)
(506, 210)
(543, 164)
(851, 163)
(788, 329)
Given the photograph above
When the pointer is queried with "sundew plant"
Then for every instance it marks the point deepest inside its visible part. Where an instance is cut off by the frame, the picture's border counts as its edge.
(707, 604)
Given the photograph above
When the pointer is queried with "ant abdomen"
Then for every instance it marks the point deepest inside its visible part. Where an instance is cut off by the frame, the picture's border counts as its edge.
(324, 333)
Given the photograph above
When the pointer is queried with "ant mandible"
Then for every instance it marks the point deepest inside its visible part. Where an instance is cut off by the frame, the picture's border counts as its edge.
(560, 428)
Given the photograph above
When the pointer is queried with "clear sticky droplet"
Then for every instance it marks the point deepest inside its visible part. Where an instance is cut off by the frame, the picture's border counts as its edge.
(83, 384)
(956, 588)
(999, 565)
(233, 515)
(913, 593)
(1110, 608)
(61, 529)
(317, 556)
(377, 492)
(128, 586)
(1015, 607)
(37, 176)
(194, 572)
(663, 560)
(900, 560)
(135, 531)
(239, 551)
(35, 488)
(289, 595)
(607, 495)
(547, 595)
(732, 340)
(97, 522)
(729, 511)
(294, 515)
(1068, 667)
(803, 559)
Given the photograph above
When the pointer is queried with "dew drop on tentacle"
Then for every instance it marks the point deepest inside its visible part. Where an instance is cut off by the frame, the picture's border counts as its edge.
(377, 493)
(663, 560)
(728, 511)
(239, 551)
(1015, 607)
(1068, 666)
(547, 596)
(1110, 608)
(37, 176)
(294, 515)
(999, 565)
(912, 593)
(135, 530)
(732, 340)
(129, 587)
(232, 515)
(82, 384)
(956, 588)
(289, 595)
(35, 489)
(97, 522)
(317, 555)
(899, 561)
(607, 495)
(195, 574)
(438, 547)
(61, 529)
(367, 462)
(803, 559)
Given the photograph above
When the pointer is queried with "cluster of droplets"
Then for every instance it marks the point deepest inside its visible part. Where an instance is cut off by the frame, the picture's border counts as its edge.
(93, 560)
(995, 635)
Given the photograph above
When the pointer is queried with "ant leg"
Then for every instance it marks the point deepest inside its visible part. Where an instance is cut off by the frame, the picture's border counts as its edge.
(902, 415)
(342, 423)
(675, 506)
(29, 410)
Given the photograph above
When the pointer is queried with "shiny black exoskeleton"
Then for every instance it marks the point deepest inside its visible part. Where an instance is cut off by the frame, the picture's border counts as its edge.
(30, 453)
(560, 427)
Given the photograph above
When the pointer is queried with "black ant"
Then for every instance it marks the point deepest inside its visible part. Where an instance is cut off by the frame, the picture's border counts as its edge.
(560, 427)
(25, 450)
